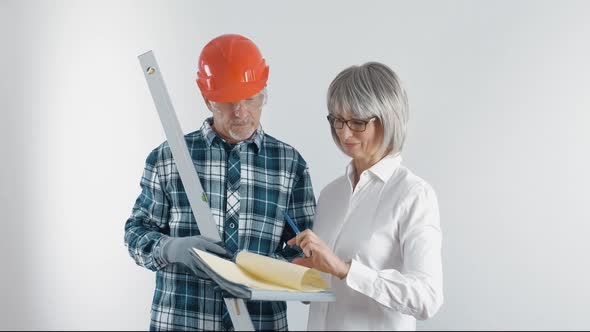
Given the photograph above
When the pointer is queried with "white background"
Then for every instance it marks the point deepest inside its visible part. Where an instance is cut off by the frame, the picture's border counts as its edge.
(499, 96)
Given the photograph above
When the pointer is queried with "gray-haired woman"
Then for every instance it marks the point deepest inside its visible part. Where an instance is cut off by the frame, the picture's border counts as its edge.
(377, 230)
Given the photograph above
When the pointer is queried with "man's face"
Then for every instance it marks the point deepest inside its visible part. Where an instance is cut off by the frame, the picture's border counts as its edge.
(237, 121)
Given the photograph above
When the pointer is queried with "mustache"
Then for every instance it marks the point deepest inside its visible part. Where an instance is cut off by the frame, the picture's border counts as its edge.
(241, 122)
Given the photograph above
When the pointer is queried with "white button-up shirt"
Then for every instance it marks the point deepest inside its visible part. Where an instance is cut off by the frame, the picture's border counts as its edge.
(389, 229)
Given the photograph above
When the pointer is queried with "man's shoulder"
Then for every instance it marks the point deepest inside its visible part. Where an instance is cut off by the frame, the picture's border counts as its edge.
(163, 153)
(273, 143)
(195, 136)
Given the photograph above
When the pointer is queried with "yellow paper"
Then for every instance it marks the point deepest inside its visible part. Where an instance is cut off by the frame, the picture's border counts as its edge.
(261, 272)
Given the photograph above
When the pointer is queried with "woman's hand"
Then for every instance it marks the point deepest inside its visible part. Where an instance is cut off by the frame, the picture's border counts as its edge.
(318, 255)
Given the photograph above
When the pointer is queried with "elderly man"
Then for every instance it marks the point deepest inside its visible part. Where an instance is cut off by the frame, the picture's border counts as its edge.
(249, 177)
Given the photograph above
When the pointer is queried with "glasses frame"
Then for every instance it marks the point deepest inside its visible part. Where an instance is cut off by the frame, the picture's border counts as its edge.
(332, 120)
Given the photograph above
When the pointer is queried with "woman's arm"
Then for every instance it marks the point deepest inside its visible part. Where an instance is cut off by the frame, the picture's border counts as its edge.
(417, 289)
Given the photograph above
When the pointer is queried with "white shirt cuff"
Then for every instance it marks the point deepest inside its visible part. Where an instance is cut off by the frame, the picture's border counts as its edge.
(361, 278)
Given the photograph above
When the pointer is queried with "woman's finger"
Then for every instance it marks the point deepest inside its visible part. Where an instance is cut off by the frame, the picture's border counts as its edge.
(304, 243)
(293, 241)
(296, 240)
(307, 251)
(307, 262)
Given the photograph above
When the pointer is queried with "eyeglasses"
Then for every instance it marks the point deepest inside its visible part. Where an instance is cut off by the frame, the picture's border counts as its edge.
(354, 124)
(253, 103)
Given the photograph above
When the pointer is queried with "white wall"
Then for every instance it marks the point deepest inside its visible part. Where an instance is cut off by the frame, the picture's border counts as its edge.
(499, 126)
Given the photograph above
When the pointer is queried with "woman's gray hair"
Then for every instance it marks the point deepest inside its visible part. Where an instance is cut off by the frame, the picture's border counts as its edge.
(371, 90)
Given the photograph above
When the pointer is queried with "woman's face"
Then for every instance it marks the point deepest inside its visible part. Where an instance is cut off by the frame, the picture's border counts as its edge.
(360, 145)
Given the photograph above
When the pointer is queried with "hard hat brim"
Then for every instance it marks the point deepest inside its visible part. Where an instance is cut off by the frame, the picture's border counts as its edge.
(235, 93)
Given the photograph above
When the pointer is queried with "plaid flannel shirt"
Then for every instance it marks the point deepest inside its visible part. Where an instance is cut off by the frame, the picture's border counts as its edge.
(274, 177)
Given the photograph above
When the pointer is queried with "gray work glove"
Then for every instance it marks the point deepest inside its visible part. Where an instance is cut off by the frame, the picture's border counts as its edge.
(177, 250)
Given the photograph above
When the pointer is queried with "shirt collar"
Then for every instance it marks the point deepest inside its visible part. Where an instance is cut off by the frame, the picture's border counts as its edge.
(383, 169)
(210, 135)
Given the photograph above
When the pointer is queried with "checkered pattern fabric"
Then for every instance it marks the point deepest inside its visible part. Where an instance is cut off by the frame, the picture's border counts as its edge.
(248, 185)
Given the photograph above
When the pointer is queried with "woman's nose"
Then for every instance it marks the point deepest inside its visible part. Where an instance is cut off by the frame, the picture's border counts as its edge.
(345, 133)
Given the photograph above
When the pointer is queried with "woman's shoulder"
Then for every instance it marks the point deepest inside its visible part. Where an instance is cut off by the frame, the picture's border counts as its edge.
(409, 185)
(336, 186)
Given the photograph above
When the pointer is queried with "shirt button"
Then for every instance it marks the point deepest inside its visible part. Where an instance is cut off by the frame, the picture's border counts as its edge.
(232, 225)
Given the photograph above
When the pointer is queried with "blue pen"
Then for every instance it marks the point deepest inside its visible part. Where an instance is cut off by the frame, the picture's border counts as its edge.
(291, 222)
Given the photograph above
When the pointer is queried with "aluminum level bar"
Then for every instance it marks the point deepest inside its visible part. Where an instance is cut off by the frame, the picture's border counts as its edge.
(188, 174)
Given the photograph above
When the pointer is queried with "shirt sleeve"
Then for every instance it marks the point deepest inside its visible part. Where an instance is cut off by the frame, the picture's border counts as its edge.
(301, 208)
(146, 228)
(417, 289)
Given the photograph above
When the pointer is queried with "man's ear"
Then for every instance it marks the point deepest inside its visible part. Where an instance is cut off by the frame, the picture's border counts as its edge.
(208, 103)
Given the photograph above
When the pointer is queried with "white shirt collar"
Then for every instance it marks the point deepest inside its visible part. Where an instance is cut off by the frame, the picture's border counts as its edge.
(383, 169)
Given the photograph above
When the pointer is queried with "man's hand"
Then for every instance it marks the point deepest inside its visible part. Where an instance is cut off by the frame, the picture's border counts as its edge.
(177, 250)
(319, 255)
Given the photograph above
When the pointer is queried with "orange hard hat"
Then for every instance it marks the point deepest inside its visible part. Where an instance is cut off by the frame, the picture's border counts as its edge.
(231, 68)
